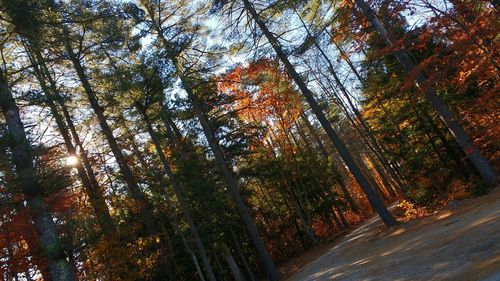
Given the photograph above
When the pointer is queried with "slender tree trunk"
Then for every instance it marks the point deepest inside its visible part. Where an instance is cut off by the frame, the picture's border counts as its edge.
(227, 172)
(371, 179)
(369, 139)
(175, 222)
(321, 183)
(303, 209)
(336, 174)
(180, 196)
(313, 132)
(453, 152)
(324, 163)
(137, 195)
(341, 215)
(195, 260)
(264, 255)
(379, 102)
(250, 272)
(487, 172)
(367, 131)
(390, 188)
(59, 267)
(377, 96)
(272, 200)
(296, 200)
(373, 198)
(93, 191)
(170, 125)
(336, 219)
(235, 270)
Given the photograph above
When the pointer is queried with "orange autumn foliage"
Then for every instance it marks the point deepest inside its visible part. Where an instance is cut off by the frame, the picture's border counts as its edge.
(470, 54)
(263, 94)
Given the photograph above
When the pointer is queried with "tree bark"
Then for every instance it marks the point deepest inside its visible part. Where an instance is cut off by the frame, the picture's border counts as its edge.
(59, 267)
(30, 237)
(250, 272)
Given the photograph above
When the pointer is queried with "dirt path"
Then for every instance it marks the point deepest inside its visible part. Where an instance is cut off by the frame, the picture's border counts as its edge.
(460, 243)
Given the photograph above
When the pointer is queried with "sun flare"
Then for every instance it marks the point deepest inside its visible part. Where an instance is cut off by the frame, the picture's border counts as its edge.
(71, 160)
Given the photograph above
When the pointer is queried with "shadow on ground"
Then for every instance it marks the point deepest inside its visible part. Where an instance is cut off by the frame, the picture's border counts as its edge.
(455, 244)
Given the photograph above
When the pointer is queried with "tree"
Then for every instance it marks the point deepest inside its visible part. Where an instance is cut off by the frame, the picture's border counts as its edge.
(22, 158)
(214, 139)
(487, 172)
(346, 156)
(152, 88)
(188, 84)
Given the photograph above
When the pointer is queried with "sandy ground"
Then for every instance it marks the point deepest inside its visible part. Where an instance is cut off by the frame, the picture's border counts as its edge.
(459, 243)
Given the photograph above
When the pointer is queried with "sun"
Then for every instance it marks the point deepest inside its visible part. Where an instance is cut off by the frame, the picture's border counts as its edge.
(71, 160)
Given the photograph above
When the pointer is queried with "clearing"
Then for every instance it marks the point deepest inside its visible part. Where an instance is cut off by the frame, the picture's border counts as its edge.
(457, 243)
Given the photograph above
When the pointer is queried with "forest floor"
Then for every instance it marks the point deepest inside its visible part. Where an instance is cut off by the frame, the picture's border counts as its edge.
(459, 242)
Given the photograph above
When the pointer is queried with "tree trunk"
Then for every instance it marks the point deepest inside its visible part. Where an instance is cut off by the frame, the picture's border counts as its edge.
(453, 152)
(379, 102)
(180, 196)
(92, 188)
(367, 131)
(336, 174)
(10, 183)
(373, 198)
(231, 182)
(390, 188)
(227, 172)
(131, 183)
(302, 206)
(250, 272)
(377, 97)
(235, 270)
(174, 221)
(50, 243)
(486, 171)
